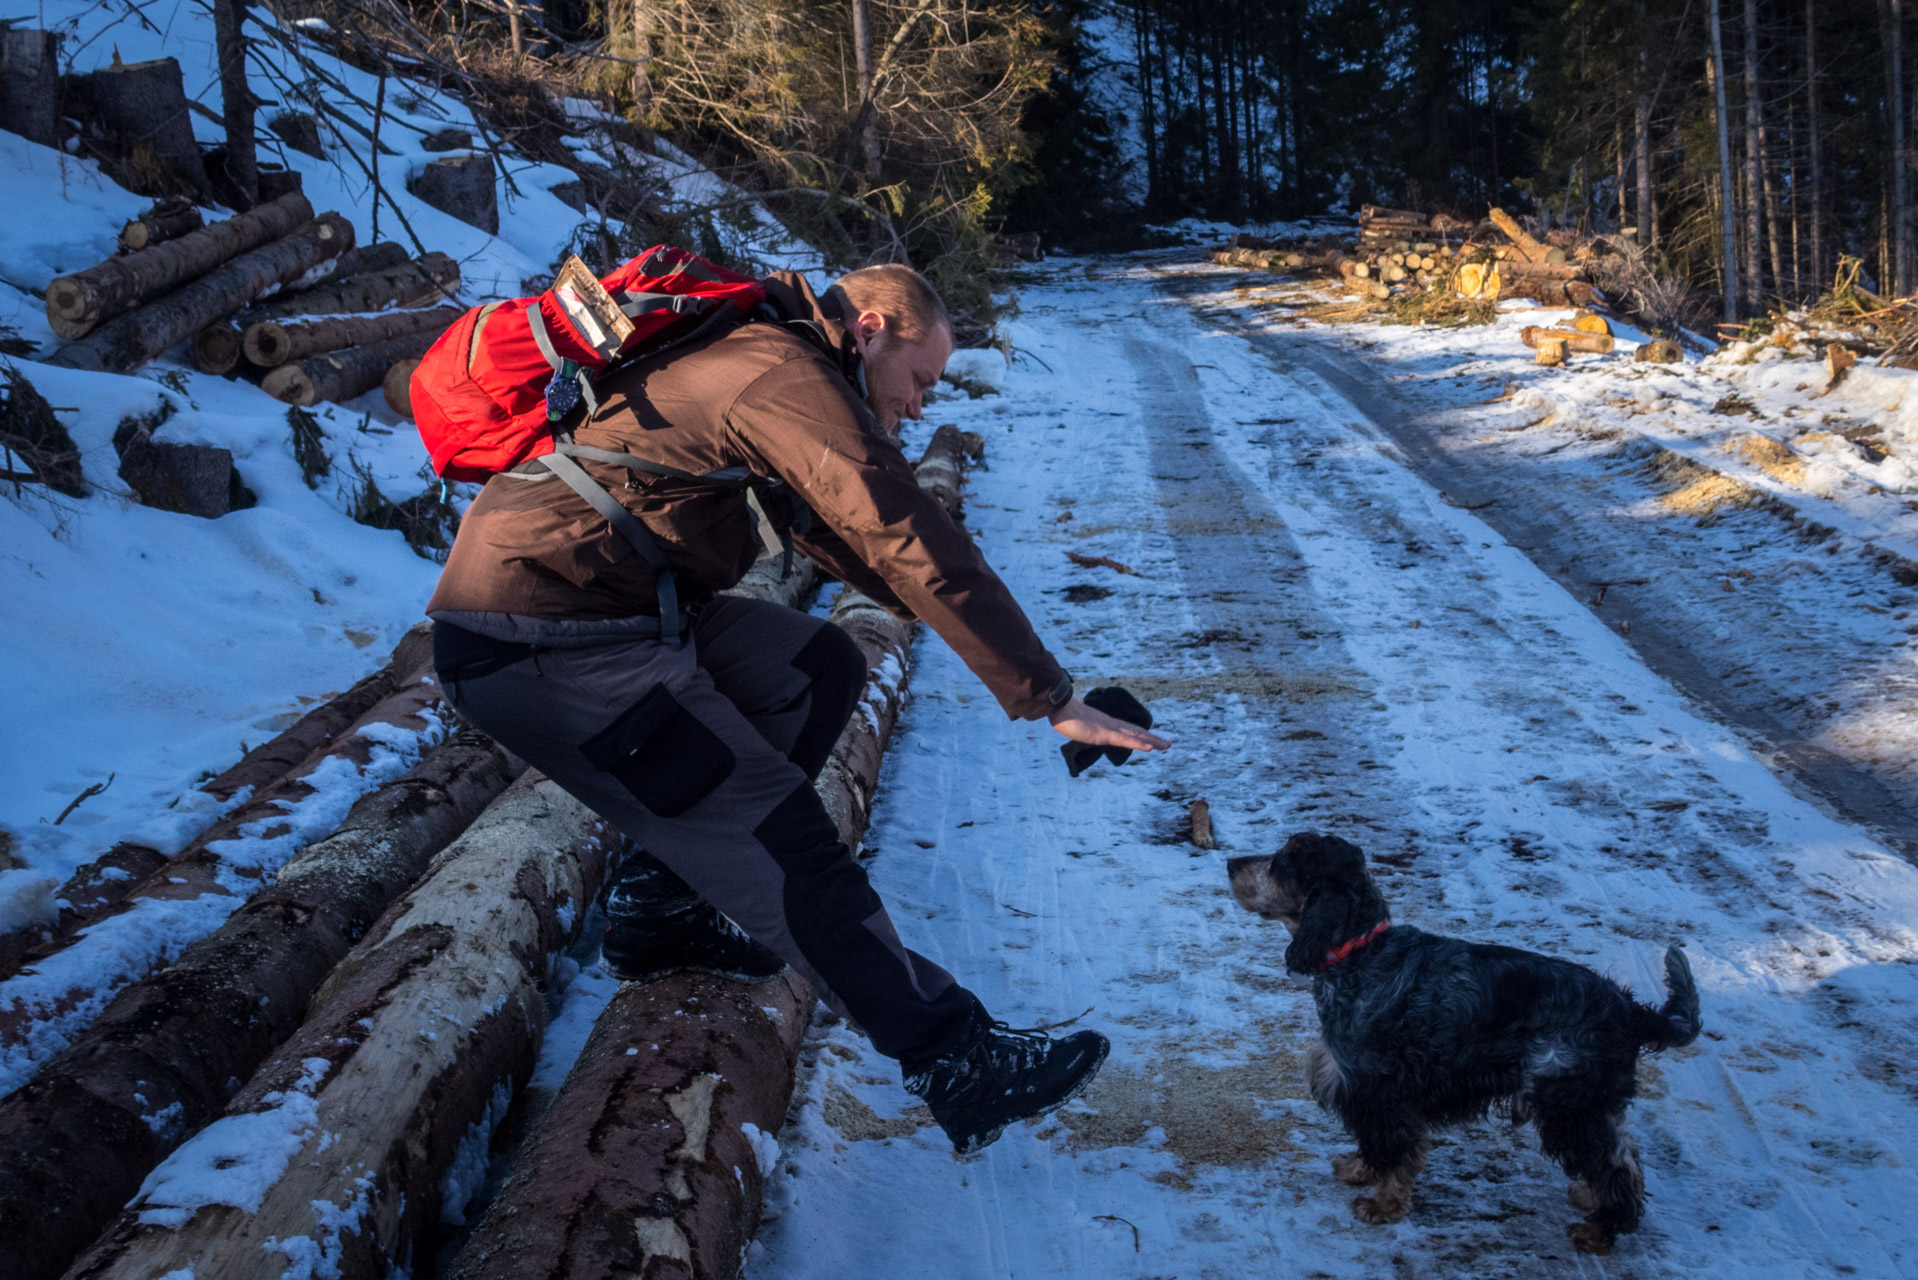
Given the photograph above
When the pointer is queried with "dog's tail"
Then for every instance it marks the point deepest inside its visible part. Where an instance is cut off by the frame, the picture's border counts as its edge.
(1677, 1024)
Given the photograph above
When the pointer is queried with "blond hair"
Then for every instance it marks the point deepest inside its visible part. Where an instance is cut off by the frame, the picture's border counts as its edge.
(911, 305)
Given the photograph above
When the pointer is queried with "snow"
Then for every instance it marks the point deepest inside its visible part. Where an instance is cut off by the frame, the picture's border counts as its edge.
(1333, 644)
(235, 1160)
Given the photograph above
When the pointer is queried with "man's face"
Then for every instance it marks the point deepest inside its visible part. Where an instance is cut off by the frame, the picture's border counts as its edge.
(898, 372)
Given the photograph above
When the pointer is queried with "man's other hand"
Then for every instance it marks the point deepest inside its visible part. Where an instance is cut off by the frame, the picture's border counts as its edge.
(1095, 728)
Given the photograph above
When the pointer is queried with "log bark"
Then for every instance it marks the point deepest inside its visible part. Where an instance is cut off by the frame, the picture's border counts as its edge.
(99, 884)
(406, 1059)
(159, 225)
(118, 284)
(1551, 293)
(157, 1065)
(272, 343)
(341, 375)
(1516, 269)
(642, 1166)
(63, 986)
(129, 341)
(397, 387)
(30, 84)
(375, 275)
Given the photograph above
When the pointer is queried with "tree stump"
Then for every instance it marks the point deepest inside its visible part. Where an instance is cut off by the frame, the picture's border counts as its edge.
(1663, 351)
(447, 140)
(462, 186)
(192, 479)
(141, 107)
(299, 130)
(30, 84)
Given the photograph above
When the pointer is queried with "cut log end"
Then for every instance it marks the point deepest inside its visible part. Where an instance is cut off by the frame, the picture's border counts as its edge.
(289, 384)
(217, 349)
(398, 387)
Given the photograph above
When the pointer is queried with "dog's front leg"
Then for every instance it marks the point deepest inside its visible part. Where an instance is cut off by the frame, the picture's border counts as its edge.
(1392, 1147)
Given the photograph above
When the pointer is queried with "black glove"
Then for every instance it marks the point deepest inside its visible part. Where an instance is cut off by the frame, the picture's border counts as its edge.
(1118, 704)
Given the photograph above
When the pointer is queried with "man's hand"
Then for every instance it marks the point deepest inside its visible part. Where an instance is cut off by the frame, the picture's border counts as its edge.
(1095, 728)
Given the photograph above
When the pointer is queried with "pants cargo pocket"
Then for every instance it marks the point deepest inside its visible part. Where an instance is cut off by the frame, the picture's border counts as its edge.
(662, 754)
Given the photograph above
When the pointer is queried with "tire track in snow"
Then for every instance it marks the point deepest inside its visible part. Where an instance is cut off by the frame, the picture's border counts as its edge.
(1529, 780)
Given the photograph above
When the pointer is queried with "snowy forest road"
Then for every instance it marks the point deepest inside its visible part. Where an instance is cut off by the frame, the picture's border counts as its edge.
(1332, 644)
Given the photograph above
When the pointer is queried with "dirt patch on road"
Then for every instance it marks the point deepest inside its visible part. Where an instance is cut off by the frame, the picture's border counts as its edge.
(1771, 457)
(1209, 1115)
(1697, 490)
(854, 1121)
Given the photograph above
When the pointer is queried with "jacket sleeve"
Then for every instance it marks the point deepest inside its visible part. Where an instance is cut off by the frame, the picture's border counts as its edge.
(830, 552)
(801, 421)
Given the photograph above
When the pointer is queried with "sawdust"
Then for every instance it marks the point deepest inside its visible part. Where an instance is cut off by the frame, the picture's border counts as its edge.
(854, 1121)
(1205, 1115)
(1697, 490)
(1771, 457)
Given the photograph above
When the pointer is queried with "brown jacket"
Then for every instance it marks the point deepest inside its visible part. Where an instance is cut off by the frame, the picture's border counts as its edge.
(778, 400)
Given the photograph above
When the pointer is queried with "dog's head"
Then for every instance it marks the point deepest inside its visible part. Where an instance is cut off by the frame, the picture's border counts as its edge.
(1317, 888)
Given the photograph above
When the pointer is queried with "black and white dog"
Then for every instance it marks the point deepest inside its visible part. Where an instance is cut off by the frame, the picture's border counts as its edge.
(1419, 1031)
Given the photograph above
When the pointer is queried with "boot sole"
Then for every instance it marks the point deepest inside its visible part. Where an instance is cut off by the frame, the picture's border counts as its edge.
(985, 1139)
(653, 975)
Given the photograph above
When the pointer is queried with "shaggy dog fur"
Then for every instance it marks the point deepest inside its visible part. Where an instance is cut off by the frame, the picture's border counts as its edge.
(1420, 1031)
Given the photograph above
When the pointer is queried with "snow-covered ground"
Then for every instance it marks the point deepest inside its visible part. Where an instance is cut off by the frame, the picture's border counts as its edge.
(1334, 643)
(149, 649)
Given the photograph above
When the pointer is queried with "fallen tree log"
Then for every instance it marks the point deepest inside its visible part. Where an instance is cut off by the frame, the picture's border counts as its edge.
(99, 293)
(647, 1163)
(1574, 339)
(272, 343)
(62, 987)
(1519, 269)
(99, 884)
(341, 375)
(434, 277)
(165, 221)
(363, 1128)
(157, 1065)
(1532, 249)
(130, 340)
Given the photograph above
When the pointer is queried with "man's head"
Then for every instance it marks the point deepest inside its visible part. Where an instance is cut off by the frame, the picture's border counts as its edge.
(903, 334)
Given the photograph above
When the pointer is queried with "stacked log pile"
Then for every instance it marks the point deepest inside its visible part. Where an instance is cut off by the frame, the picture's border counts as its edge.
(347, 1039)
(251, 292)
(1438, 267)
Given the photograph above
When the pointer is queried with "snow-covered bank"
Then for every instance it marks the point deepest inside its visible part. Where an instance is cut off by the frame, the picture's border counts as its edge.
(1333, 644)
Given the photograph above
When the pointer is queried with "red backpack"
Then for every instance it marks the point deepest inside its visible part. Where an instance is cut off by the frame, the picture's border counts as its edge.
(487, 396)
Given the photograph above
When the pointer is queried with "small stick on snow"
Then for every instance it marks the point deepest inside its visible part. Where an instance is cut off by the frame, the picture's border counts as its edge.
(1113, 1217)
(1054, 1026)
(84, 796)
(1450, 501)
(1201, 816)
(1100, 562)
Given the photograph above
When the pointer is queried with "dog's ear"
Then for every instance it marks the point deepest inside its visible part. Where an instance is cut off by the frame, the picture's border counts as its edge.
(1323, 924)
(1311, 858)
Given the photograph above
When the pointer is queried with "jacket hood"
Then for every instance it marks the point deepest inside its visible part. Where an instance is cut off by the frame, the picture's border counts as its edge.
(818, 318)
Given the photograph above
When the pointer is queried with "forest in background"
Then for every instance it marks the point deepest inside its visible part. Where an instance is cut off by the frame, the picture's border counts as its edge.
(1753, 148)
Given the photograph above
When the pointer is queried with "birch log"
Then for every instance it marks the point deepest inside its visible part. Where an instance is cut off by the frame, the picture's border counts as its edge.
(102, 292)
(352, 1140)
(130, 340)
(100, 883)
(157, 1064)
(642, 1169)
(63, 987)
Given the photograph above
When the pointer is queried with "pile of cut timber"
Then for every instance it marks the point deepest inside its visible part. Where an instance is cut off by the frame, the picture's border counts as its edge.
(251, 293)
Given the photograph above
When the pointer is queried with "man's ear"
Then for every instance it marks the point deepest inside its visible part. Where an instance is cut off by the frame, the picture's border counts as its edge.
(868, 325)
(1322, 926)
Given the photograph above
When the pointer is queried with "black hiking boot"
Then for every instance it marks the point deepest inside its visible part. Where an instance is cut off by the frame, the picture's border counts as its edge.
(656, 925)
(1009, 1075)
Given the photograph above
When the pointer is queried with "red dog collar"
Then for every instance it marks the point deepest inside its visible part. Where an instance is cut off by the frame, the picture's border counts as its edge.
(1350, 945)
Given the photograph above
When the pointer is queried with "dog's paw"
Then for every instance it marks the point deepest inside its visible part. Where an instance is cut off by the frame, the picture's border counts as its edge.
(1589, 1237)
(1583, 1198)
(1374, 1211)
(1352, 1170)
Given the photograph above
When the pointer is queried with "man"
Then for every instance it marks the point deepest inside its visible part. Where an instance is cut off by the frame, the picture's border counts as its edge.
(549, 636)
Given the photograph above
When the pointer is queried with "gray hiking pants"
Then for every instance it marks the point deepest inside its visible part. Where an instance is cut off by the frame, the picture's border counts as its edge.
(704, 756)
